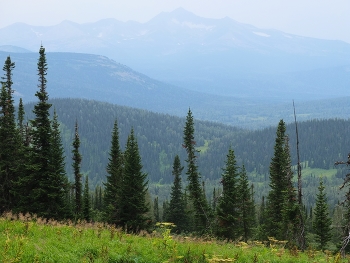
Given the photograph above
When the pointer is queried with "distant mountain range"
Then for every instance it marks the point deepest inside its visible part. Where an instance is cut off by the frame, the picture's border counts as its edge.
(216, 56)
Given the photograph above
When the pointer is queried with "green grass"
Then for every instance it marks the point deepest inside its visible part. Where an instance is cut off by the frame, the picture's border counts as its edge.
(34, 240)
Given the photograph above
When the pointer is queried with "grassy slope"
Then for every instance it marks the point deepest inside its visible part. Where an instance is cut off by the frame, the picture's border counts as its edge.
(28, 240)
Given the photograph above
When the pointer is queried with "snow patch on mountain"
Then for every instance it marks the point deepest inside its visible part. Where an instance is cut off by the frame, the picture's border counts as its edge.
(261, 34)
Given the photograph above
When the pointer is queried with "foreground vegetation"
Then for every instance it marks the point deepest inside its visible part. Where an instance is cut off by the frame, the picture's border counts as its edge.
(31, 239)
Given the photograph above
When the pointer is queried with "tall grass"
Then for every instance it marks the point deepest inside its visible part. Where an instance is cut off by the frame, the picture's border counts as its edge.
(30, 239)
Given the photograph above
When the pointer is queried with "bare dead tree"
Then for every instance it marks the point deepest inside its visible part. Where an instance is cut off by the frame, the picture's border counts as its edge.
(301, 238)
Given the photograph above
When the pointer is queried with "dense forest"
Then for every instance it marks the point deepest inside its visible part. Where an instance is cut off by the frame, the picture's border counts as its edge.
(322, 143)
(208, 177)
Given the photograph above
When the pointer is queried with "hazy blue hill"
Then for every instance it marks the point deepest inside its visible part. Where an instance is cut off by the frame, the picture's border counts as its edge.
(216, 56)
(13, 49)
(76, 75)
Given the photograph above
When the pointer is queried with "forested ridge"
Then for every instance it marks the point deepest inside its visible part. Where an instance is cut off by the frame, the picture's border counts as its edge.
(322, 143)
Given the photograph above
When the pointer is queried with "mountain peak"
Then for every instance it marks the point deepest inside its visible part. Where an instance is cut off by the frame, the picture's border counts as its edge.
(180, 14)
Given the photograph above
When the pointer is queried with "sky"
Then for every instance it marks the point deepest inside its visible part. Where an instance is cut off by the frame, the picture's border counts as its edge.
(326, 19)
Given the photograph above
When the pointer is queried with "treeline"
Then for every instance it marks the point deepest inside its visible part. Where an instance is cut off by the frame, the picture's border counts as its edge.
(160, 139)
(322, 142)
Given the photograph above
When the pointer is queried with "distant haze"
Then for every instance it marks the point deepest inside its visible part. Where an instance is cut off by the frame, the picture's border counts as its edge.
(320, 19)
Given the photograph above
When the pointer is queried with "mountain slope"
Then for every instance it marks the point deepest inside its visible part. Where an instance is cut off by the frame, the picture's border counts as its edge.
(160, 138)
(75, 75)
(217, 56)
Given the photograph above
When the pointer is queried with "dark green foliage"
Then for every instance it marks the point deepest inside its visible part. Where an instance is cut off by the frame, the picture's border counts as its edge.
(21, 125)
(228, 207)
(279, 171)
(59, 186)
(10, 143)
(246, 206)
(291, 214)
(40, 173)
(176, 212)
(322, 221)
(165, 210)
(86, 215)
(42, 186)
(196, 194)
(156, 210)
(77, 175)
(113, 186)
(98, 198)
(133, 207)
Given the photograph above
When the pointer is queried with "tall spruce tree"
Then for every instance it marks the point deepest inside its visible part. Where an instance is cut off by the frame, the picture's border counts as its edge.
(86, 211)
(322, 221)
(177, 213)
(246, 206)
(20, 119)
(134, 207)
(59, 187)
(40, 195)
(77, 175)
(227, 208)
(197, 198)
(279, 172)
(156, 209)
(290, 212)
(114, 184)
(41, 142)
(10, 144)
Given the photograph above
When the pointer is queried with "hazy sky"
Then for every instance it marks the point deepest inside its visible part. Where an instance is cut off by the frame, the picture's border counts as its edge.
(329, 19)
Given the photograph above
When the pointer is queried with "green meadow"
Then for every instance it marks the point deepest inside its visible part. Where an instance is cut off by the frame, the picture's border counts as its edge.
(30, 239)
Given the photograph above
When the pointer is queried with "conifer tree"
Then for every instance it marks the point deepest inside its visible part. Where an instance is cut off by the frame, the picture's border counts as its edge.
(10, 143)
(59, 186)
(196, 195)
(177, 208)
(41, 188)
(20, 119)
(246, 206)
(156, 210)
(279, 172)
(77, 175)
(322, 221)
(227, 208)
(134, 208)
(113, 186)
(290, 212)
(86, 201)
(165, 210)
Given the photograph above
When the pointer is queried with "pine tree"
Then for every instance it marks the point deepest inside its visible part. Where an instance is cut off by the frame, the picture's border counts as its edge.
(177, 207)
(200, 205)
(279, 172)
(86, 215)
(227, 208)
(59, 186)
(156, 210)
(113, 186)
(246, 206)
(77, 175)
(290, 212)
(322, 222)
(38, 193)
(165, 210)
(134, 208)
(10, 144)
(20, 119)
